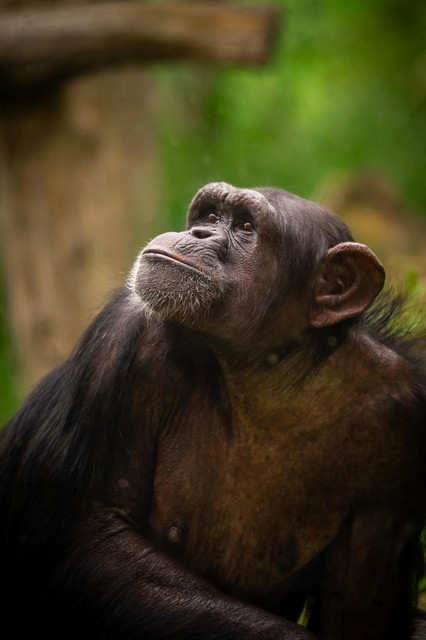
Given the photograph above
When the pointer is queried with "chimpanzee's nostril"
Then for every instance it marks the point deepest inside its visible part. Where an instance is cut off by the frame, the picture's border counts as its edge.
(201, 232)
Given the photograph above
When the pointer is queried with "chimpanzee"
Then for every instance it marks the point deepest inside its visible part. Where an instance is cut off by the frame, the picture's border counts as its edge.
(234, 440)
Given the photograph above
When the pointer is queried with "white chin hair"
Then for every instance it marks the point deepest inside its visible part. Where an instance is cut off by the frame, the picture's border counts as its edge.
(173, 292)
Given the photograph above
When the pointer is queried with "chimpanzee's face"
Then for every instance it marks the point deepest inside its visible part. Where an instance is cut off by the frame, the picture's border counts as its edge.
(225, 268)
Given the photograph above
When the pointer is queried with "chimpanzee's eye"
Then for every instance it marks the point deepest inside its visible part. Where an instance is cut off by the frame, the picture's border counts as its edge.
(243, 219)
(244, 225)
(212, 218)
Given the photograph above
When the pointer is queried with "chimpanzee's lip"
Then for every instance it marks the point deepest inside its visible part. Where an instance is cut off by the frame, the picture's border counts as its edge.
(172, 257)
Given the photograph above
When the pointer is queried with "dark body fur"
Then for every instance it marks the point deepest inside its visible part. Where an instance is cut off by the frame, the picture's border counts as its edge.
(154, 486)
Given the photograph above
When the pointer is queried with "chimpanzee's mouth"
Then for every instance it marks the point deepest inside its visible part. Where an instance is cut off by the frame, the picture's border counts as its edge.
(162, 254)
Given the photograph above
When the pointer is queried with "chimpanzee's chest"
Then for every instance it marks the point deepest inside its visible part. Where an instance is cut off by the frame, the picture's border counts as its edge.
(250, 509)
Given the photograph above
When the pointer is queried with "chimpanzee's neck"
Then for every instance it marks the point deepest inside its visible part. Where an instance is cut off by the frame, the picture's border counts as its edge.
(293, 380)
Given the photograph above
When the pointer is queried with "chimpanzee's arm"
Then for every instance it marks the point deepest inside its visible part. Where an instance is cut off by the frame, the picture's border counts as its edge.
(130, 590)
(368, 591)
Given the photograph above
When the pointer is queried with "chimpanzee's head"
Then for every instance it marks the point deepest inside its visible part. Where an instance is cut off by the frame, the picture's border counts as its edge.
(252, 254)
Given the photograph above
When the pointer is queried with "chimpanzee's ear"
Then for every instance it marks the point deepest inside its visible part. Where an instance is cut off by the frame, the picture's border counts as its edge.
(345, 284)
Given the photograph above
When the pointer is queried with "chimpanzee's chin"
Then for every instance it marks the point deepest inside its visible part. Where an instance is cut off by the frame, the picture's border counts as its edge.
(174, 292)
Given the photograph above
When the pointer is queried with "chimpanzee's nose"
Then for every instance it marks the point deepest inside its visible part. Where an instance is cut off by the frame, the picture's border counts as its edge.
(202, 232)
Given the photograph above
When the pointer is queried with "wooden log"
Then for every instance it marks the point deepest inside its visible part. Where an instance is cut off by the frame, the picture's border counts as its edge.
(44, 44)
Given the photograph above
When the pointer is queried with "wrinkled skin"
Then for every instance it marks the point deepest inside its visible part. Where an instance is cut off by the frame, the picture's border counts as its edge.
(228, 443)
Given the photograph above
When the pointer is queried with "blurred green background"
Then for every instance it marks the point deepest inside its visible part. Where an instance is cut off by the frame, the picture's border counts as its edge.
(344, 94)
(346, 91)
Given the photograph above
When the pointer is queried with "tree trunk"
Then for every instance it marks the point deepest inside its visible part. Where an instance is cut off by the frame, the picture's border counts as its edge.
(78, 188)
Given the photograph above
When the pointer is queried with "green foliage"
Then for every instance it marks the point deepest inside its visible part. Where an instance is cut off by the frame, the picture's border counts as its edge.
(416, 291)
(8, 369)
(346, 91)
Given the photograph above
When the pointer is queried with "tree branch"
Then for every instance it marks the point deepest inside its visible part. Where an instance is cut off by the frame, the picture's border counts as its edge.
(44, 44)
